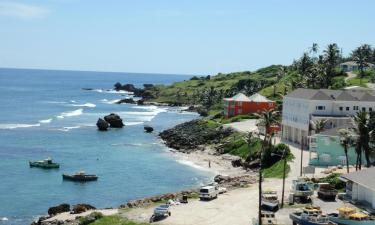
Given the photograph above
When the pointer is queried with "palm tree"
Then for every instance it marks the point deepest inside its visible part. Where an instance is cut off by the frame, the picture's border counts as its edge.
(331, 58)
(346, 140)
(319, 125)
(362, 125)
(267, 119)
(362, 56)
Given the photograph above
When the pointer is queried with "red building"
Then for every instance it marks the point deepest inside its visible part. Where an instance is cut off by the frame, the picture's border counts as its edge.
(240, 104)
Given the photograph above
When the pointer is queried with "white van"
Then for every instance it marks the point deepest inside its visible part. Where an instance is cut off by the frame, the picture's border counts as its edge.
(208, 192)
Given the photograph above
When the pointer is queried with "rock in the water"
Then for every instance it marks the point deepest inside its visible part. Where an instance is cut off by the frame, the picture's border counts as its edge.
(148, 129)
(80, 208)
(59, 209)
(126, 100)
(102, 124)
(140, 102)
(114, 120)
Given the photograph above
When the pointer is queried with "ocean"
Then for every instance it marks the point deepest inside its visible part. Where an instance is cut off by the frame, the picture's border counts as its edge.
(46, 113)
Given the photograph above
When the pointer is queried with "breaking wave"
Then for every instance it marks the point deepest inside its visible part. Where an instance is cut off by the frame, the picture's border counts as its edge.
(10, 126)
(89, 105)
(70, 113)
(45, 121)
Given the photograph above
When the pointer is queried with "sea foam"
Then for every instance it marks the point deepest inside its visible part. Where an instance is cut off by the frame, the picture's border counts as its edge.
(89, 105)
(45, 121)
(10, 126)
(70, 113)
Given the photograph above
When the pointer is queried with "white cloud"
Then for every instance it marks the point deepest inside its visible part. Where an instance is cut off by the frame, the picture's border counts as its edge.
(23, 11)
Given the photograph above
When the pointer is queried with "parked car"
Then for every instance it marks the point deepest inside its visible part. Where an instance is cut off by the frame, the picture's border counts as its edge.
(161, 211)
(208, 192)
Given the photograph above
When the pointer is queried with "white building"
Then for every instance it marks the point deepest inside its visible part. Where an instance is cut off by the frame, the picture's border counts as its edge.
(350, 66)
(303, 106)
(360, 186)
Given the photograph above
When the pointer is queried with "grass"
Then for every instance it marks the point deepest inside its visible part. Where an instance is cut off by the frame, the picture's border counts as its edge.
(115, 220)
(276, 170)
(236, 145)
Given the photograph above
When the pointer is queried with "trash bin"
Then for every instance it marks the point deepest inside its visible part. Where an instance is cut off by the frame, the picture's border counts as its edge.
(184, 199)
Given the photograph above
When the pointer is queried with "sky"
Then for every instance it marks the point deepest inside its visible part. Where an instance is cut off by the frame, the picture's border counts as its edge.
(176, 36)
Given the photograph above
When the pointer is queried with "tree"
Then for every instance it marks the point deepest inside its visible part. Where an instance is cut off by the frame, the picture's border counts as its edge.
(331, 58)
(346, 140)
(362, 125)
(319, 125)
(362, 56)
(267, 119)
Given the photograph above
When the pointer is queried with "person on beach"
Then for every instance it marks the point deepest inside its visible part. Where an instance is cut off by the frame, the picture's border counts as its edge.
(209, 163)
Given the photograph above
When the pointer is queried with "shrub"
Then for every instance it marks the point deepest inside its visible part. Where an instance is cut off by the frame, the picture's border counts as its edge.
(90, 218)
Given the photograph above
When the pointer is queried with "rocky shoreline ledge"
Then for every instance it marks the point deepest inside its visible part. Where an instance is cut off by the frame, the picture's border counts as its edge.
(229, 182)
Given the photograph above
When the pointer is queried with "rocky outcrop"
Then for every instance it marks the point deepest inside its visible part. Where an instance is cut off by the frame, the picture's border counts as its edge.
(231, 182)
(190, 135)
(59, 209)
(102, 124)
(148, 129)
(114, 120)
(126, 101)
(80, 208)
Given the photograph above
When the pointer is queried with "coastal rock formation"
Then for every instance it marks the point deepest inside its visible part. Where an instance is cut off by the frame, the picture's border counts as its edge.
(188, 136)
(102, 125)
(126, 100)
(59, 209)
(80, 208)
(147, 92)
(148, 129)
(114, 120)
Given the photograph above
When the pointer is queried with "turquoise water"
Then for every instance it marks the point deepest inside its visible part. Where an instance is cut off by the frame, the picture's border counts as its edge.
(46, 113)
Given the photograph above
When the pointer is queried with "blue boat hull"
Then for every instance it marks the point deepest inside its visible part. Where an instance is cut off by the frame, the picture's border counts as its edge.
(296, 219)
(340, 221)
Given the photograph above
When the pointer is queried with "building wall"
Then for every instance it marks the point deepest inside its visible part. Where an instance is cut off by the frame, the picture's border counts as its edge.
(298, 112)
(330, 145)
(233, 108)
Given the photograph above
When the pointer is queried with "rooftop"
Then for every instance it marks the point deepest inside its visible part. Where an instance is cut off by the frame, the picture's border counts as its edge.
(363, 177)
(352, 94)
(243, 98)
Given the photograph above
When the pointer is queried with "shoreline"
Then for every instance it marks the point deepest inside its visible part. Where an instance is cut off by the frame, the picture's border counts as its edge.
(205, 159)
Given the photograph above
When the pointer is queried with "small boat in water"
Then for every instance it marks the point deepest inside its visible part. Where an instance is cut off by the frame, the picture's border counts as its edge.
(310, 215)
(80, 176)
(268, 218)
(45, 164)
(270, 200)
(350, 216)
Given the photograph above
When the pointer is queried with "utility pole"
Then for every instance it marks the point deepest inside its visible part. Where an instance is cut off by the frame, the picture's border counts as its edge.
(284, 173)
(301, 156)
(260, 186)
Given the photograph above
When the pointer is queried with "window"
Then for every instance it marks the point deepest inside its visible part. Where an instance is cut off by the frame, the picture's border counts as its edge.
(320, 107)
(340, 108)
(364, 109)
(355, 107)
(370, 109)
(347, 108)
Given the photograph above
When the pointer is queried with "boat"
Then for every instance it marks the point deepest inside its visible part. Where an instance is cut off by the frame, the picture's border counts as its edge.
(349, 216)
(270, 200)
(310, 215)
(268, 218)
(45, 164)
(80, 176)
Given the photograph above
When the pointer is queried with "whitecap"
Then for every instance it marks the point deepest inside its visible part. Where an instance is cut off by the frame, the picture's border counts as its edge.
(89, 105)
(191, 164)
(45, 121)
(70, 113)
(18, 125)
(66, 129)
(4, 219)
(72, 101)
(110, 101)
(133, 123)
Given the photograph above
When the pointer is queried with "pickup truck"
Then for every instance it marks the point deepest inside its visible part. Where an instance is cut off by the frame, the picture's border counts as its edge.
(161, 211)
(327, 192)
